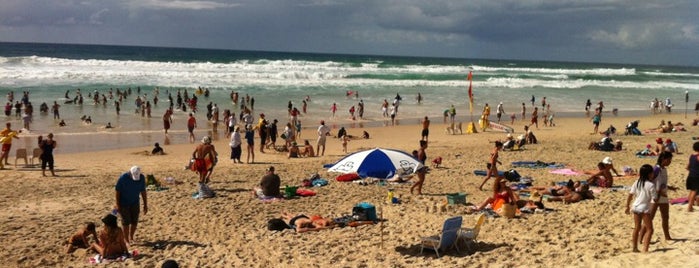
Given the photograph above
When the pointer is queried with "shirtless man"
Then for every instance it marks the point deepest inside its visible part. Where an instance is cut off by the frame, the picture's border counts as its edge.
(425, 128)
(191, 125)
(204, 159)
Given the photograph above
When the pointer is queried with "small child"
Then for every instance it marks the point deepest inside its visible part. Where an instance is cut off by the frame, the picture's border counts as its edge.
(645, 192)
(80, 238)
(345, 140)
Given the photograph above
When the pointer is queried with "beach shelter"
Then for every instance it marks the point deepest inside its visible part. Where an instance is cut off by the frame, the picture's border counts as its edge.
(377, 163)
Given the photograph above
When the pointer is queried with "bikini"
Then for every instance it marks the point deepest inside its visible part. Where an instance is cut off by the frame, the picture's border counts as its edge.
(292, 221)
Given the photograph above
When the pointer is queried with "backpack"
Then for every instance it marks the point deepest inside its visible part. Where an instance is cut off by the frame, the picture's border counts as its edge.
(512, 175)
(277, 225)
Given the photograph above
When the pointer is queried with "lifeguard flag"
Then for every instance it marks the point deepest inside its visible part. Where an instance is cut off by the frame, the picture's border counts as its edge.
(470, 91)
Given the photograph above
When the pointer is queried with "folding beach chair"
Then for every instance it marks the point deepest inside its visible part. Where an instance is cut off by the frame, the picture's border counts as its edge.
(470, 235)
(448, 238)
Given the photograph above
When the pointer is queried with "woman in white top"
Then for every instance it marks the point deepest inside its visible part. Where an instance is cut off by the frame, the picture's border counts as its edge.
(661, 186)
(645, 192)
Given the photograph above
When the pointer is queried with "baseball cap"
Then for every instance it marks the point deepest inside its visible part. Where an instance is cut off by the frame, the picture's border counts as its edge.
(136, 173)
(607, 160)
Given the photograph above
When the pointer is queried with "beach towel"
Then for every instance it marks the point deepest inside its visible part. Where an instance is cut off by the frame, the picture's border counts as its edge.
(565, 171)
(484, 173)
(679, 201)
(537, 164)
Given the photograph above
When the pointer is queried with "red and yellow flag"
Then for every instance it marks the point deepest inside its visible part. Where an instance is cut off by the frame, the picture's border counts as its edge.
(470, 91)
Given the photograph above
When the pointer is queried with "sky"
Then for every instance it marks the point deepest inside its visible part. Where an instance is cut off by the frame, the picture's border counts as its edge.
(658, 32)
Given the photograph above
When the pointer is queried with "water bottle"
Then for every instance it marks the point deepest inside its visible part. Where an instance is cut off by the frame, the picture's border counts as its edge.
(389, 198)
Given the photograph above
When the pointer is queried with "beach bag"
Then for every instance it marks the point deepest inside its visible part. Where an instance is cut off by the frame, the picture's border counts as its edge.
(276, 225)
(512, 175)
(348, 177)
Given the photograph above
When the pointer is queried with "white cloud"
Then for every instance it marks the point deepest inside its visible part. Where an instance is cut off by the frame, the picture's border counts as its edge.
(95, 17)
(180, 4)
(647, 35)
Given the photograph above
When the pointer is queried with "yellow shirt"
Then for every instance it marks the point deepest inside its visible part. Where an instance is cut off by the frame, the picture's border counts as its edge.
(7, 136)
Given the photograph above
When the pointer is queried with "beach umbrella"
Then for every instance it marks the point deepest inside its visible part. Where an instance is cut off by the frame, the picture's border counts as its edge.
(377, 163)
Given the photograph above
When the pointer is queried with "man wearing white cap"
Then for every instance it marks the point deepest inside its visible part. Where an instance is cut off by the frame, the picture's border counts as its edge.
(609, 165)
(499, 111)
(129, 187)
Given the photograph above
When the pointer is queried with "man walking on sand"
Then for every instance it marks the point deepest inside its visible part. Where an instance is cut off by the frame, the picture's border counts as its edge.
(323, 131)
(191, 125)
(129, 187)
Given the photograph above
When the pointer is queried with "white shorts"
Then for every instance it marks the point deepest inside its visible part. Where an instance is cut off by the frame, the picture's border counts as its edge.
(321, 140)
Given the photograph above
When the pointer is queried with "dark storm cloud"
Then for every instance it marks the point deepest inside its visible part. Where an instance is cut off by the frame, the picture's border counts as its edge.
(654, 32)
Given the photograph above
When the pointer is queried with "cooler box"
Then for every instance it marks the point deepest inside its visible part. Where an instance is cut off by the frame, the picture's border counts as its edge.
(365, 209)
(456, 198)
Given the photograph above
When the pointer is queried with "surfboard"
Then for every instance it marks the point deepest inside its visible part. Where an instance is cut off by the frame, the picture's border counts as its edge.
(501, 127)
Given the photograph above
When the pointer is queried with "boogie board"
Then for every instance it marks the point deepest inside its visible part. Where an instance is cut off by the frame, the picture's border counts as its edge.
(501, 127)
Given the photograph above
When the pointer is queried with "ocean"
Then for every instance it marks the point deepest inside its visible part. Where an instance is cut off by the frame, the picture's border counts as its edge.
(48, 71)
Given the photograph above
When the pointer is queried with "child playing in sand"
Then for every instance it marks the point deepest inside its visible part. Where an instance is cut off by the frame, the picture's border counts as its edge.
(111, 239)
(80, 238)
(645, 192)
(345, 140)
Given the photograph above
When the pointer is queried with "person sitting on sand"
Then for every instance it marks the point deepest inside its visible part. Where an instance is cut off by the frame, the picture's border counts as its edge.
(575, 196)
(80, 238)
(62, 123)
(365, 135)
(157, 150)
(609, 166)
(555, 190)
(269, 185)
(302, 223)
(671, 146)
(502, 194)
(293, 150)
(111, 239)
(109, 125)
(659, 146)
(603, 178)
(307, 149)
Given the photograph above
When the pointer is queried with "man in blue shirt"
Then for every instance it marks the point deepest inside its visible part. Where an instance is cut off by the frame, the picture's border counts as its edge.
(128, 188)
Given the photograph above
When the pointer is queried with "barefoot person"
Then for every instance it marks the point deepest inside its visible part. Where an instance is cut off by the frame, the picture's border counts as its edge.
(425, 128)
(692, 177)
(130, 188)
(46, 157)
(661, 186)
(492, 164)
(191, 125)
(644, 191)
(323, 131)
(204, 156)
(167, 120)
(6, 135)
(421, 173)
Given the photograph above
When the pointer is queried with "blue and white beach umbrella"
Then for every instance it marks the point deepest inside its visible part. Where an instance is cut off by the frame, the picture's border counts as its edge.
(377, 163)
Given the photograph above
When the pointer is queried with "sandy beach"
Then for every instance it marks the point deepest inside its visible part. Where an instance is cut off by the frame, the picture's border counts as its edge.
(230, 230)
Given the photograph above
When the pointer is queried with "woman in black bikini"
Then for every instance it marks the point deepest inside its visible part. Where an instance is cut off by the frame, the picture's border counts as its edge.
(302, 223)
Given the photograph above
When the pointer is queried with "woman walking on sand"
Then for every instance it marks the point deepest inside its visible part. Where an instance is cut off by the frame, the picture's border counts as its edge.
(492, 164)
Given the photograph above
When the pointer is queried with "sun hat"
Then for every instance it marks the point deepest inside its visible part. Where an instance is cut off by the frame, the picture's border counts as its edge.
(668, 140)
(607, 160)
(659, 140)
(135, 173)
(262, 114)
(110, 220)
(206, 140)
